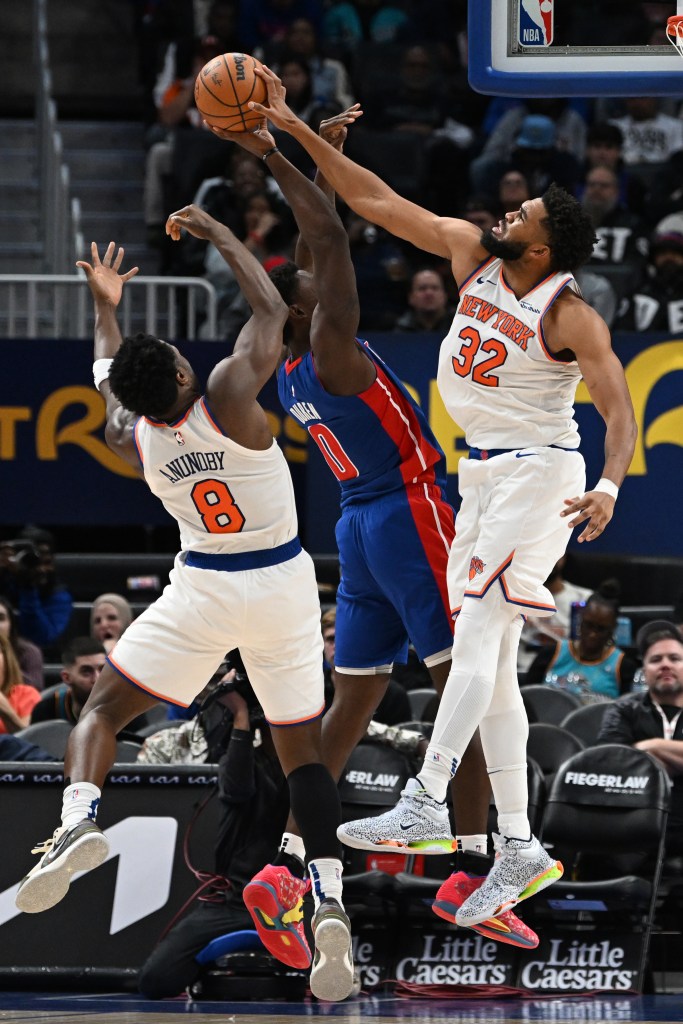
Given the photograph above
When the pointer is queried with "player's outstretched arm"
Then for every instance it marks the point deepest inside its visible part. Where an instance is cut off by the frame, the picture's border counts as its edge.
(106, 282)
(607, 387)
(364, 191)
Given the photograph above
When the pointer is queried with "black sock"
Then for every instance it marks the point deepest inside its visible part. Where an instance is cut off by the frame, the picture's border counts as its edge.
(294, 864)
(315, 804)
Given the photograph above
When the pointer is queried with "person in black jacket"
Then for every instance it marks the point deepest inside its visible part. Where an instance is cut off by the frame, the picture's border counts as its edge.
(254, 806)
(652, 720)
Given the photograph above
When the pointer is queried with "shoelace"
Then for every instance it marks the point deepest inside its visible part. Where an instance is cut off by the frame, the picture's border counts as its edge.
(46, 845)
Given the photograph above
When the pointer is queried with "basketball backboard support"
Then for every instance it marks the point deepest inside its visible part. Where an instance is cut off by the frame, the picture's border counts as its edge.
(570, 48)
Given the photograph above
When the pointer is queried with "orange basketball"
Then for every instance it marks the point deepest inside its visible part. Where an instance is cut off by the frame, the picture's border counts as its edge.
(223, 88)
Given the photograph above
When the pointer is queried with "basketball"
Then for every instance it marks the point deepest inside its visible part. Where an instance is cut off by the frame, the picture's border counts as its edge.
(223, 88)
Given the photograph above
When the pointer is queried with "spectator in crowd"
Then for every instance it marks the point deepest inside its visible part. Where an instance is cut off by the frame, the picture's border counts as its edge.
(28, 578)
(29, 656)
(331, 82)
(558, 626)
(568, 135)
(592, 666)
(110, 615)
(536, 155)
(297, 78)
(651, 720)
(513, 190)
(666, 195)
(180, 141)
(650, 136)
(82, 661)
(381, 267)
(264, 21)
(394, 706)
(16, 698)
(604, 148)
(13, 748)
(347, 24)
(657, 303)
(622, 236)
(429, 308)
(481, 211)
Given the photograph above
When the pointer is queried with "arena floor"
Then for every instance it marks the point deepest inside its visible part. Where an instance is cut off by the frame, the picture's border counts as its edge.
(117, 1009)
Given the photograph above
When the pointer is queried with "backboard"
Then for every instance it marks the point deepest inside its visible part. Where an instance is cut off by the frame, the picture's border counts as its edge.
(573, 48)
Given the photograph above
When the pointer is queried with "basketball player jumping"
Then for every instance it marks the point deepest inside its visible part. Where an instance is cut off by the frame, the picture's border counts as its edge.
(391, 471)
(240, 579)
(521, 339)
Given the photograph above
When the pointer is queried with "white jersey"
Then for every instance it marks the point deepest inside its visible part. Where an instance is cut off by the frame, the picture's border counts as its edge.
(226, 498)
(496, 376)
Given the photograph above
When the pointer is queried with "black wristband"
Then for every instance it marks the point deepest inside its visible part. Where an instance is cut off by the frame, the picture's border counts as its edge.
(270, 153)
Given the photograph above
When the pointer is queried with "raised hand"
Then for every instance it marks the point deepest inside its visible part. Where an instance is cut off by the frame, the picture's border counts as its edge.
(277, 111)
(257, 142)
(195, 220)
(334, 130)
(104, 280)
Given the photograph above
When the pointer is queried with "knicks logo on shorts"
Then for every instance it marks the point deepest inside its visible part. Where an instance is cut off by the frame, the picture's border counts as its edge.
(476, 567)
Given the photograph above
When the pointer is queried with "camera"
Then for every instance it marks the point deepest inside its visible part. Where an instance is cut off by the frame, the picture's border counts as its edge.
(24, 553)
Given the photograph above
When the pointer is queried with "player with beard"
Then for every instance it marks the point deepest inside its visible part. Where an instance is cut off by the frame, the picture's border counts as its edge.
(521, 339)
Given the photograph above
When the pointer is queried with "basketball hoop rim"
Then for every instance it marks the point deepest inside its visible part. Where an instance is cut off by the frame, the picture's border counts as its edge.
(674, 25)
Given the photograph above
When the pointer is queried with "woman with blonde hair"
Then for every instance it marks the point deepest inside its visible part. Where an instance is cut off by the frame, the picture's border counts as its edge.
(110, 616)
(17, 700)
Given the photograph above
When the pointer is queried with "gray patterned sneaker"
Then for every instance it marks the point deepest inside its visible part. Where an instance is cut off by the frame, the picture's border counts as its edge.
(77, 848)
(332, 975)
(521, 869)
(417, 824)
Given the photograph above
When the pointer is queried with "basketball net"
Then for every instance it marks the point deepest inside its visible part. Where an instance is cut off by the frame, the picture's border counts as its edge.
(674, 28)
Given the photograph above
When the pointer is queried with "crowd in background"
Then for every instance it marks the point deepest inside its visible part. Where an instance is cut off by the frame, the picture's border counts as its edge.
(426, 133)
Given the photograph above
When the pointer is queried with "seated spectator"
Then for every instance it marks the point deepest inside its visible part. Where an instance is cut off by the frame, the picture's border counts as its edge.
(604, 147)
(536, 155)
(651, 720)
(650, 136)
(381, 268)
(622, 236)
(28, 579)
(568, 136)
(347, 24)
(263, 21)
(13, 748)
(429, 309)
(331, 82)
(17, 700)
(481, 211)
(82, 660)
(110, 616)
(657, 302)
(592, 666)
(513, 190)
(297, 79)
(394, 706)
(536, 631)
(29, 656)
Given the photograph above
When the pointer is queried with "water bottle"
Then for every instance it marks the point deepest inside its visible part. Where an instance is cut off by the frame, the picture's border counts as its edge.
(575, 619)
(623, 634)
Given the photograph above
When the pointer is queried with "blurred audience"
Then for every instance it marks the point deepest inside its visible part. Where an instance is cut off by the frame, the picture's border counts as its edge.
(82, 661)
(650, 136)
(28, 579)
(651, 720)
(657, 302)
(592, 667)
(110, 616)
(29, 656)
(331, 82)
(429, 307)
(17, 699)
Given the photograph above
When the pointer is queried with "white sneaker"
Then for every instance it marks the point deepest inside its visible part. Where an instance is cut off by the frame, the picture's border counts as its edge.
(417, 824)
(332, 974)
(521, 869)
(77, 848)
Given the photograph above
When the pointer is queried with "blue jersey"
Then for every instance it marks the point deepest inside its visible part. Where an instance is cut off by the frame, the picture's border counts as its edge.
(375, 442)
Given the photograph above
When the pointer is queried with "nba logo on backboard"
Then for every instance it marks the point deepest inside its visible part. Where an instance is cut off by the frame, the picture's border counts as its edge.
(536, 22)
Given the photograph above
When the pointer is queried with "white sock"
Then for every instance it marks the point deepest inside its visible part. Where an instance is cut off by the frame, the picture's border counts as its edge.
(293, 845)
(326, 879)
(80, 801)
(473, 844)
